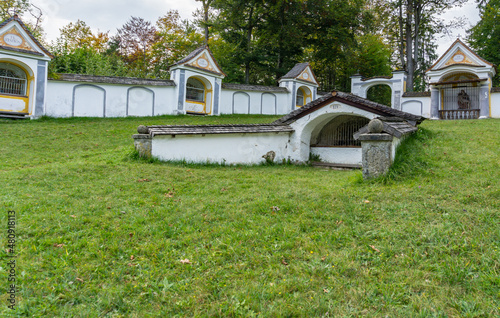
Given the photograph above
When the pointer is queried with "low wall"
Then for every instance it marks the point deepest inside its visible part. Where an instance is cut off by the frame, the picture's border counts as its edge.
(97, 99)
(250, 100)
(417, 103)
(338, 155)
(227, 148)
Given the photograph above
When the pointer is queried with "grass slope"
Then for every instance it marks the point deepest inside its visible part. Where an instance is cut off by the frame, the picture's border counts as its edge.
(101, 234)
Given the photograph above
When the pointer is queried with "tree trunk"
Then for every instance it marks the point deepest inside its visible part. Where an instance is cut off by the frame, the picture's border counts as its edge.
(410, 67)
(401, 36)
(206, 6)
(416, 38)
(249, 46)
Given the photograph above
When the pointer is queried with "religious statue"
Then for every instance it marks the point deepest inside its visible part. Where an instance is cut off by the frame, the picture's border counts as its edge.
(463, 100)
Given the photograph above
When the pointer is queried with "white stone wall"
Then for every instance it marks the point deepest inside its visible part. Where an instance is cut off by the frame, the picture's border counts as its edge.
(341, 155)
(254, 102)
(220, 148)
(495, 105)
(67, 99)
(420, 106)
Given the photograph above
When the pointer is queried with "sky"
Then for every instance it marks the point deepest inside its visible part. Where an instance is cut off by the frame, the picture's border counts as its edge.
(109, 15)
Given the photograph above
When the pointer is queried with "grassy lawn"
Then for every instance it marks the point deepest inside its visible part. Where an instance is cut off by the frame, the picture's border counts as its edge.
(103, 235)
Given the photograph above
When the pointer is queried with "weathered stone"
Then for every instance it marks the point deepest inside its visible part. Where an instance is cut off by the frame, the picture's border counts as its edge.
(270, 156)
(375, 126)
(143, 144)
(377, 154)
(142, 129)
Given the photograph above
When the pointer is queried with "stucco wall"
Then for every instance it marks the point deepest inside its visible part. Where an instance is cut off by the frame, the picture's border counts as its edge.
(254, 102)
(420, 106)
(66, 99)
(495, 105)
(223, 148)
(339, 155)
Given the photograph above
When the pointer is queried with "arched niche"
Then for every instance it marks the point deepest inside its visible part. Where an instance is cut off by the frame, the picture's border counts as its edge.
(140, 101)
(303, 96)
(198, 95)
(89, 101)
(241, 103)
(268, 104)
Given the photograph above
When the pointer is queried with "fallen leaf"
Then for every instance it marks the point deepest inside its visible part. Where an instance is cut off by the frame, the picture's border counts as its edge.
(326, 291)
(170, 194)
(375, 249)
(366, 201)
(323, 258)
(131, 265)
(284, 262)
(79, 279)
(143, 180)
(73, 216)
(132, 257)
(275, 208)
(185, 261)
(131, 235)
(223, 190)
(59, 245)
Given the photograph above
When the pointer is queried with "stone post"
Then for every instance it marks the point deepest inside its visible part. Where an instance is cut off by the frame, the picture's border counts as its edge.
(377, 150)
(143, 142)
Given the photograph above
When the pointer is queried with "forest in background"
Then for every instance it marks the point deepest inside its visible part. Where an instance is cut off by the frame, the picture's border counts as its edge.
(257, 42)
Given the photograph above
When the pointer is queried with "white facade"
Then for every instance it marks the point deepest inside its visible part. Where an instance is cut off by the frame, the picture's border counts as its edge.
(24, 67)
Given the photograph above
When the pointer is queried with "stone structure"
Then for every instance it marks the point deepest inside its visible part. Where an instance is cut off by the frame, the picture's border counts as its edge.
(326, 127)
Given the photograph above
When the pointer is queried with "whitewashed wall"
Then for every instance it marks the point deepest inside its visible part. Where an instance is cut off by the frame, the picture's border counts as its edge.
(340, 155)
(221, 148)
(495, 105)
(254, 102)
(420, 106)
(67, 99)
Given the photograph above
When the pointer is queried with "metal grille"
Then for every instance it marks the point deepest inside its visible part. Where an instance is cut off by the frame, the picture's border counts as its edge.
(460, 101)
(12, 86)
(339, 132)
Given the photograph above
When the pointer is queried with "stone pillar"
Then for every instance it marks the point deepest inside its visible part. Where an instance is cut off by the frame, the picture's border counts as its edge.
(377, 150)
(143, 142)
(434, 103)
(484, 101)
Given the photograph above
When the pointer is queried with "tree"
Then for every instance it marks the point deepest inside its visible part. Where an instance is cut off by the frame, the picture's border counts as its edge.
(10, 8)
(136, 39)
(417, 19)
(176, 38)
(484, 37)
(205, 21)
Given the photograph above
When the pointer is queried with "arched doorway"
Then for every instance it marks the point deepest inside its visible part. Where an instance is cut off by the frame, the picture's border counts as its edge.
(380, 93)
(334, 141)
(460, 94)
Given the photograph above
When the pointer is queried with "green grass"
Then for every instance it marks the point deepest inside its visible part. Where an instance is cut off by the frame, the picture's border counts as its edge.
(103, 235)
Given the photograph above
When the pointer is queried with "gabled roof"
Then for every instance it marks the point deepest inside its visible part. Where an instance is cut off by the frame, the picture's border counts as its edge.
(351, 100)
(201, 53)
(459, 54)
(303, 72)
(30, 35)
(111, 80)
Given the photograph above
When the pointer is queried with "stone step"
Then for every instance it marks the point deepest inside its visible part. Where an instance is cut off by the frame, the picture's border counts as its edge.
(14, 115)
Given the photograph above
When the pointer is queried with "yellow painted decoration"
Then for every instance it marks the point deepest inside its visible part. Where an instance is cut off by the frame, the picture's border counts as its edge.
(307, 76)
(460, 58)
(204, 62)
(26, 98)
(14, 39)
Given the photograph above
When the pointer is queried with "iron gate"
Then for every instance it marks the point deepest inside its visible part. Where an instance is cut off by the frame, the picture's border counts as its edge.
(460, 101)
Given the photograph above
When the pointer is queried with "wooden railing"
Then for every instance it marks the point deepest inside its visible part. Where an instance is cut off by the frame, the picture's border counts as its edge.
(459, 114)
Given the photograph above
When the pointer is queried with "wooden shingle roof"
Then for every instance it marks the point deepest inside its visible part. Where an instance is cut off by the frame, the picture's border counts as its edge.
(111, 80)
(351, 100)
(217, 129)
